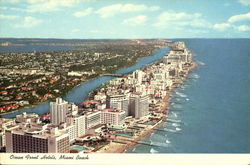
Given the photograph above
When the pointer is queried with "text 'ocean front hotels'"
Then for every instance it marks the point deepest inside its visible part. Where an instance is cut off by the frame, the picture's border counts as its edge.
(115, 117)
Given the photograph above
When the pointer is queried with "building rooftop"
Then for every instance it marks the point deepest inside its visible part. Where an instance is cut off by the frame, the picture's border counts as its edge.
(3, 120)
(91, 102)
(112, 110)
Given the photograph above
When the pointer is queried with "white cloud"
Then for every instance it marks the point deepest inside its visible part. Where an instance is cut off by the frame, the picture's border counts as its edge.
(174, 19)
(196, 31)
(36, 1)
(12, 8)
(138, 20)
(44, 5)
(241, 17)
(49, 5)
(112, 10)
(66, 3)
(222, 26)
(10, 1)
(75, 30)
(29, 22)
(3, 8)
(230, 23)
(18, 9)
(154, 8)
(83, 13)
(244, 2)
(109, 10)
(194, 23)
(94, 31)
(173, 16)
(243, 28)
(2, 16)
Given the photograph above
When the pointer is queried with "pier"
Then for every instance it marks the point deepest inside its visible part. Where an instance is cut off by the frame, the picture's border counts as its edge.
(171, 121)
(157, 129)
(139, 142)
(149, 144)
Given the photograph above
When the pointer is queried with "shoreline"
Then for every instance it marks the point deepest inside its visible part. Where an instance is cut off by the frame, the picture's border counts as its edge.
(114, 148)
(23, 108)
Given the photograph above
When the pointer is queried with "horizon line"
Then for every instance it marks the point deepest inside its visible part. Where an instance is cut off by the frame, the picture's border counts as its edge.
(123, 38)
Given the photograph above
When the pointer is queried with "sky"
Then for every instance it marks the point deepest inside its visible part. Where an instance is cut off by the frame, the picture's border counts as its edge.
(124, 19)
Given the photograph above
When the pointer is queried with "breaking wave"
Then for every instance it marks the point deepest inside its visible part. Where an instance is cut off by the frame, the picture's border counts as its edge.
(174, 114)
(178, 106)
(177, 129)
(177, 99)
(168, 142)
(176, 124)
(173, 120)
(159, 144)
(194, 75)
(201, 63)
(181, 94)
(153, 151)
(170, 130)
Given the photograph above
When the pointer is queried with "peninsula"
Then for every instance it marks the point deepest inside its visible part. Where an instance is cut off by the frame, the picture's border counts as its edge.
(115, 117)
(157, 81)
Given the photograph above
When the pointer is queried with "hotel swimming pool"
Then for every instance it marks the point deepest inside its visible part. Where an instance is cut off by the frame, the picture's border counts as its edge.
(81, 148)
(124, 135)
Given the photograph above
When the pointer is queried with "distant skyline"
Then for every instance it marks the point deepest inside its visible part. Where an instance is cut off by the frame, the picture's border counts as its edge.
(124, 19)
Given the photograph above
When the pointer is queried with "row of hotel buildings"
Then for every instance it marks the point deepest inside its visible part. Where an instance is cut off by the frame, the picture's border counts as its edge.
(122, 97)
(28, 133)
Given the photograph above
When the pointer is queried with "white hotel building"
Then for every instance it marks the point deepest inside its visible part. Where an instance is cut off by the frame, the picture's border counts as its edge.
(92, 119)
(113, 117)
(37, 140)
(58, 111)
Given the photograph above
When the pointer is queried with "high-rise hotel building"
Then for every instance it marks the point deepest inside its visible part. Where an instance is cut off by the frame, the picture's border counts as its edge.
(79, 122)
(113, 117)
(58, 111)
(139, 105)
(4, 124)
(120, 102)
(34, 140)
(92, 119)
(135, 105)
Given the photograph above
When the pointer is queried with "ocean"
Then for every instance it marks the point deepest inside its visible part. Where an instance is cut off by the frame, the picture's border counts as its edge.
(210, 113)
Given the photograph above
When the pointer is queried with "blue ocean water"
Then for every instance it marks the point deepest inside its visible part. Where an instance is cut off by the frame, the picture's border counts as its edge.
(210, 113)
